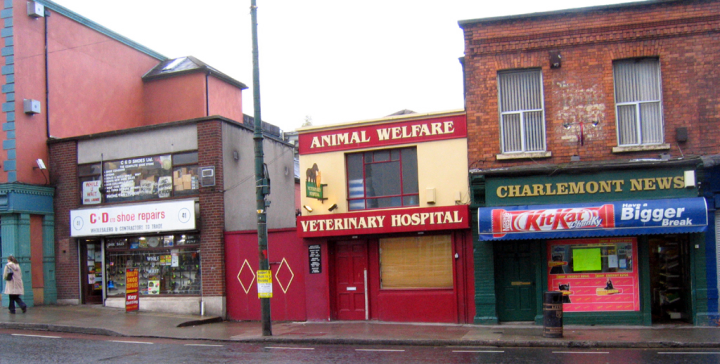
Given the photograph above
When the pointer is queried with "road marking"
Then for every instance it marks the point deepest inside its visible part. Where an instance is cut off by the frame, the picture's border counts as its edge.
(478, 351)
(689, 352)
(287, 348)
(47, 337)
(204, 345)
(130, 342)
(581, 352)
(386, 350)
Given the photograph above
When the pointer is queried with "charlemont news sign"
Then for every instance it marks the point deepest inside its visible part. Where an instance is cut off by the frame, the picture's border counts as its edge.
(385, 221)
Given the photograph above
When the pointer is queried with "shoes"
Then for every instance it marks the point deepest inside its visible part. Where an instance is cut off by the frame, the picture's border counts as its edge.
(24, 309)
(12, 312)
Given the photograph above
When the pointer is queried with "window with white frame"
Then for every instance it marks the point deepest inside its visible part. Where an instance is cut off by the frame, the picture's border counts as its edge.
(638, 104)
(522, 117)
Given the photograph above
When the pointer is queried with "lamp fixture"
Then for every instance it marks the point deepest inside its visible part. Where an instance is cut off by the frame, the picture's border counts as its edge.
(308, 208)
(581, 134)
(40, 164)
(332, 207)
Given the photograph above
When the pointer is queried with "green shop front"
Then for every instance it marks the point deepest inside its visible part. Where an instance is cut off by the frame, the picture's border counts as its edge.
(624, 246)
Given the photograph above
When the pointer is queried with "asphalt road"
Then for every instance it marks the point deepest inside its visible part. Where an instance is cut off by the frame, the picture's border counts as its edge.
(19, 346)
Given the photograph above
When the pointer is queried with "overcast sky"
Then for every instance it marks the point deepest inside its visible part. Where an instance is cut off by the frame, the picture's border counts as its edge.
(333, 61)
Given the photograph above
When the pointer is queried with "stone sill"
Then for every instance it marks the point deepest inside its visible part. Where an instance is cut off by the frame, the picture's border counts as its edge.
(641, 148)
(531, 155)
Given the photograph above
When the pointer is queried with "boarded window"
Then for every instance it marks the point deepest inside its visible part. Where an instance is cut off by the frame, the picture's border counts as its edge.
(416, 262)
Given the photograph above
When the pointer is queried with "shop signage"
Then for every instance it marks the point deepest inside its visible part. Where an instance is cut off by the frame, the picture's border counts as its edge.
(313, 186)
(132, 286)
(133, 219)
(606, 186)
(315, 261)
(593, 219)
(381, 135)
(595, 275)
(264, 283)
(385, 221)
(91, 193)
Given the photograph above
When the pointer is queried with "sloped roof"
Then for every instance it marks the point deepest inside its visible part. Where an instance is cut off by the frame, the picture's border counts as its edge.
(185, 65)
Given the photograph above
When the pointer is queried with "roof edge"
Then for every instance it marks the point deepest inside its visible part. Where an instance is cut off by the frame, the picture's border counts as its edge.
(101, 29)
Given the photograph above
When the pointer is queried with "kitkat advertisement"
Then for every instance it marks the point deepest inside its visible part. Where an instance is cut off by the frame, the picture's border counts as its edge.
(595, 274)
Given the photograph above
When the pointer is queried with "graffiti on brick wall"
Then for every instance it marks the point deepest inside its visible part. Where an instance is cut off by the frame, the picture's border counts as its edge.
(579, 105)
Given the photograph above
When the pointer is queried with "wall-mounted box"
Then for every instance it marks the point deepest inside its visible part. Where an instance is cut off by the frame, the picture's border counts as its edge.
(31, 106)
(35, 9)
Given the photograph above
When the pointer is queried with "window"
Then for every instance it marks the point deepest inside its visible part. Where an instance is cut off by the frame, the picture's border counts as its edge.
(416, 262)
(637, 101)
(382, 178)
(140, 178)
(522, 118)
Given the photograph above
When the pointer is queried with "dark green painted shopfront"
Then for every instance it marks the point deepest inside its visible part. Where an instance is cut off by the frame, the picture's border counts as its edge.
(625, 243)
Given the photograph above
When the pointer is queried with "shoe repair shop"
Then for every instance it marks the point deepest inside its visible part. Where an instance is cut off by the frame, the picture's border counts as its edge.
(622, 246)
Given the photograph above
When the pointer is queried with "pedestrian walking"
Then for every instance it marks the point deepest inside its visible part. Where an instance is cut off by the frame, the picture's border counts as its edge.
(14, 284)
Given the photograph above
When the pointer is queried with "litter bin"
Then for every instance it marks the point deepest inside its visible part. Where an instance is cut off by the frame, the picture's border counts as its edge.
(552, 314)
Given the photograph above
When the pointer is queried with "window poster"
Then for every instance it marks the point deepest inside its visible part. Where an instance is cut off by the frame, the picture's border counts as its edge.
(595, 274)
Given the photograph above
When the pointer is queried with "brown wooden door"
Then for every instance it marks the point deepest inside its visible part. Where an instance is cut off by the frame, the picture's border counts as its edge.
(91, 269)
(350, 266)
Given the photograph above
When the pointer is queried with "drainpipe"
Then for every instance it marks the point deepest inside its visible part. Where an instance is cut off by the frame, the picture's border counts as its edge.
(47, 78)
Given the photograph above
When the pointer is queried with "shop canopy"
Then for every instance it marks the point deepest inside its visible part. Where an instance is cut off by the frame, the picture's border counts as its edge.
(619, 218)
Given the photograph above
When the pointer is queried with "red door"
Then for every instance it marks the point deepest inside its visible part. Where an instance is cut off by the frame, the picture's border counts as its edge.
(350, 266)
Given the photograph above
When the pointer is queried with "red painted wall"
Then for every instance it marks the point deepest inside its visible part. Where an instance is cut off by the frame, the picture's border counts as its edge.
(176, 98)
(241, 259)
(95, 85)
(225, 99)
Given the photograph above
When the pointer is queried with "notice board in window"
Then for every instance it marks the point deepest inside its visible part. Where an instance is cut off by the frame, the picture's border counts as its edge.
(596, 274)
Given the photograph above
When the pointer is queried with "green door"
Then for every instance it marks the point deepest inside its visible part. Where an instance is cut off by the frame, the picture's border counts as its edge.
(515, 281)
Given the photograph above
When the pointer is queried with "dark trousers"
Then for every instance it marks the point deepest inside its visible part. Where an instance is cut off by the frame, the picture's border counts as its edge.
(13, 299)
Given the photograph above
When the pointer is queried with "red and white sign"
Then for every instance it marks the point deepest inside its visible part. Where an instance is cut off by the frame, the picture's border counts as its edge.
(413, 131)
(552, 219)
(91, 193)
(132, 287)
(385, 221)
(133, 219)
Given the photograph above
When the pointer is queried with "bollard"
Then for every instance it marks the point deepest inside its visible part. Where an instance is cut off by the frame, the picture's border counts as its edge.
(552, 315)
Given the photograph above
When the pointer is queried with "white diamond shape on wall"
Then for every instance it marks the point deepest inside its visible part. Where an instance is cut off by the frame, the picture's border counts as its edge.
(246, 263)
(285, 264)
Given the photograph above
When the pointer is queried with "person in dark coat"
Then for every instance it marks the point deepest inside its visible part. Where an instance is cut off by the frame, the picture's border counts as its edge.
(14, 286)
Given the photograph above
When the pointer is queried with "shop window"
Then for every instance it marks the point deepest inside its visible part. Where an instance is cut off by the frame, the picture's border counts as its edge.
(522, 117)
(416, 262)
(382, 178)
(90, 175)
(167, 264)
(638, 105)
(140, 178)
(185, 174)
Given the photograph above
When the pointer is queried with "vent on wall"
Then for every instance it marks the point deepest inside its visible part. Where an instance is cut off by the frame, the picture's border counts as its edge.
(207, 176)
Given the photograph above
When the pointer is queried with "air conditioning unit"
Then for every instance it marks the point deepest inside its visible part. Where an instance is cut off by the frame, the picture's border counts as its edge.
(207, 176)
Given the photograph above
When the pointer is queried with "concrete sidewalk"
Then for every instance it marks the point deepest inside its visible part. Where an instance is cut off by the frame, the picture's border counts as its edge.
(100, 320)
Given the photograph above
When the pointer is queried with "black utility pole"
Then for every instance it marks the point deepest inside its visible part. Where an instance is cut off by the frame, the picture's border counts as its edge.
(261, 180)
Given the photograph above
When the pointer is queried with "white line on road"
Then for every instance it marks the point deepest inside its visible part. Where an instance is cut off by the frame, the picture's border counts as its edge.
(130, 342)
(204, 345)
(47, 337)
(386, 350)
(581, 352)
(287, 348)
(478, 351)
(688, 352)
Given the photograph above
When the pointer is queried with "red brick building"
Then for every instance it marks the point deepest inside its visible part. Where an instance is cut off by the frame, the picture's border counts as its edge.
(576, 98)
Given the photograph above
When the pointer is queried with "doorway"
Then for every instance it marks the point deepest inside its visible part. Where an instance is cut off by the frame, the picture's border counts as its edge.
(515, 281)
(350, 269)
(91, 272)
(670, 278)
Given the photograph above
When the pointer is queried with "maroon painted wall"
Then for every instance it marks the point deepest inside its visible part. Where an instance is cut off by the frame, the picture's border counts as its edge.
(224, 99)
(176, 98)
(241, 259)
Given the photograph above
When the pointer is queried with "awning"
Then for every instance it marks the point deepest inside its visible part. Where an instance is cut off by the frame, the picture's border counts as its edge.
(620, 218)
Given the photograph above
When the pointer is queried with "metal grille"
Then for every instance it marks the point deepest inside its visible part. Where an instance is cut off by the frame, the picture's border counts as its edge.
(522, 120)
(638, 101)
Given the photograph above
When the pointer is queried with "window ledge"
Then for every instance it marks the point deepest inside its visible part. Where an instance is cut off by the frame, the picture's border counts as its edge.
(529, 155)
(641, 148)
